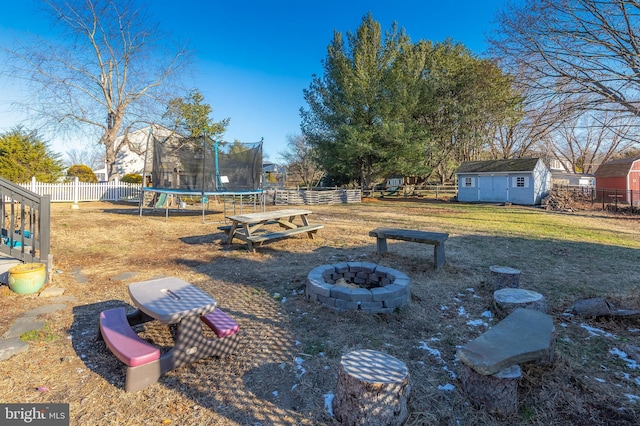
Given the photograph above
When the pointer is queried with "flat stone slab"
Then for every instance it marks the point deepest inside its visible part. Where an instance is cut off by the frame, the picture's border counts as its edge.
(46, 309)
(23, 325)
(52, 292)
(525, 335)
(123, 276)
(80, 277)
(11, 347)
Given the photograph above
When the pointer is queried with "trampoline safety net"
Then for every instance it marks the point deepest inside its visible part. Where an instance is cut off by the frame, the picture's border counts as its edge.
(205, 165)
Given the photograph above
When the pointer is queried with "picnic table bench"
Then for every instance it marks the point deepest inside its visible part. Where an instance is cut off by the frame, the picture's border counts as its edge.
(436, 239)
(248, 227)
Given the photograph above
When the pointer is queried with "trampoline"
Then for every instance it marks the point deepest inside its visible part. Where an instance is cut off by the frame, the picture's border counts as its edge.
(256, 197)
(202, 167)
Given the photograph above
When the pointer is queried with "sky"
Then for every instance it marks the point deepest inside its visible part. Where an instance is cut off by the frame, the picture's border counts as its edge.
(253, 59)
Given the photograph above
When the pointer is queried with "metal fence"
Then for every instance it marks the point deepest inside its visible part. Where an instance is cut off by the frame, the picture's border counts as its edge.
(607, 198)
(618, 198)
(76, 191)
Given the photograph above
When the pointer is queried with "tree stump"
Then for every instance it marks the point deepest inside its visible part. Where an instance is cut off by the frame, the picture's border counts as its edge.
(594, 307)
(502, 277)
(497, 393)
(372, 389)
(506, 300)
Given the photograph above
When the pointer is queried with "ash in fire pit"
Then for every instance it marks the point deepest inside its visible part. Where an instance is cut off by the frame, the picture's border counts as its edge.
(359, 286)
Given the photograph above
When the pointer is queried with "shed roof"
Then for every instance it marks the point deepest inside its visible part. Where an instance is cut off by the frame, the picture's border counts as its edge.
(616, 168)
(509, 165)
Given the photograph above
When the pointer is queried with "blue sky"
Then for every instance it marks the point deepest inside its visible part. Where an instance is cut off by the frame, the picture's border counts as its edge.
(254, 58)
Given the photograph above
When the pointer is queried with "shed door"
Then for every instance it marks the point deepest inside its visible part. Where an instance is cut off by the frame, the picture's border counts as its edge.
(493, 189)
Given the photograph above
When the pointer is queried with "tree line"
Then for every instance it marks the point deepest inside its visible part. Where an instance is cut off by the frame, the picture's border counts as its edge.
(560, 81)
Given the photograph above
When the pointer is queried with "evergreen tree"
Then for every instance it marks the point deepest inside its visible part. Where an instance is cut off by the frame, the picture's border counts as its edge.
(191, 116)
(24, 155)
(359, 116)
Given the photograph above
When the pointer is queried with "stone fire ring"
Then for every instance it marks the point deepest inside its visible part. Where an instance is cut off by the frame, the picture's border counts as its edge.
(392, 289)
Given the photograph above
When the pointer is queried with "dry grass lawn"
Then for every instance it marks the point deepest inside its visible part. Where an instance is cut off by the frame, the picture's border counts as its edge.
(291, 348)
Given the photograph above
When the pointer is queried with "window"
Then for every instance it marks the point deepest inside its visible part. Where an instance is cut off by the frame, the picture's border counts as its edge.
(468, 182)
(521, 182)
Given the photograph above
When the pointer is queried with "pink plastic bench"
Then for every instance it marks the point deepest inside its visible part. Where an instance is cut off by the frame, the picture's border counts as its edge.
(125, 344)
(221, 323)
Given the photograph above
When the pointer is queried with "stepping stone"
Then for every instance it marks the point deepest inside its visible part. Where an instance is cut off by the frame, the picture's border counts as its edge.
(52, 292)
(23, 325)
(525, 335)
(11, 347)
(123, 276)
(46, 309)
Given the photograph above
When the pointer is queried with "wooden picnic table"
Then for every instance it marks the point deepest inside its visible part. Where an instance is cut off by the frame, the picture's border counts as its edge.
(248, 227)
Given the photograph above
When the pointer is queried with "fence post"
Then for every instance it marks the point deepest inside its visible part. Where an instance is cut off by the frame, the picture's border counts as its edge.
(116, 183)
(33, 184)
(76, 192)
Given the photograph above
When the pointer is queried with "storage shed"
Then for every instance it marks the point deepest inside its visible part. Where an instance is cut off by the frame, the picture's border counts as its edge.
(524, 181)
(619, 181)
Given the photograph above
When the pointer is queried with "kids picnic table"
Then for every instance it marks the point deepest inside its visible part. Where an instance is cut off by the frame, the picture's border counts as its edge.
(171, 301)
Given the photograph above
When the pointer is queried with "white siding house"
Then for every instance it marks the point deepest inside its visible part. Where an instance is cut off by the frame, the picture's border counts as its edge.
(131, 157)
(524, 181)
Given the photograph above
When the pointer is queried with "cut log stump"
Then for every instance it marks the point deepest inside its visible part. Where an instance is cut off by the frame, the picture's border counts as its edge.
(506, 300)
(503, 277)
(497, 393)
(372, 389)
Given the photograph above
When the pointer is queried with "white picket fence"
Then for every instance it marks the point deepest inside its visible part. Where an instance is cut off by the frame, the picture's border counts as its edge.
(76, 191)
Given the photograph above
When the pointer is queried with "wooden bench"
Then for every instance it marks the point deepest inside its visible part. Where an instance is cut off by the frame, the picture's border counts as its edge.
(261, 238)
(227, 228)
(221, 323)
(434, 238)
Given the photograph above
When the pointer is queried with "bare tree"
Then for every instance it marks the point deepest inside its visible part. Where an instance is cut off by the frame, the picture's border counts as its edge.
(93, 158)
(586, 52)
(590, 140)
(108, 69)
(300, 161)
(523, 135)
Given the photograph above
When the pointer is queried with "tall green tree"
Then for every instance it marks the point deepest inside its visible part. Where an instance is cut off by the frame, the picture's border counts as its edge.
(24, 155)
(466, 100)
(359, 112)
(192, 117)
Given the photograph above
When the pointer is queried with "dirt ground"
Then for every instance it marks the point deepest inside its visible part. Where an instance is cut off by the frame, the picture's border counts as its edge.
(285, 370)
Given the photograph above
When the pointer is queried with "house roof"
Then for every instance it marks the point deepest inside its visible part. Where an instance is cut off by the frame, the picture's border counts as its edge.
(616, 168)
(509, 165)
(270, 167)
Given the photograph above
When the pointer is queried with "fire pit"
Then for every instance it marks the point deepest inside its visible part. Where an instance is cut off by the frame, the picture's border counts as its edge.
(358, 286)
